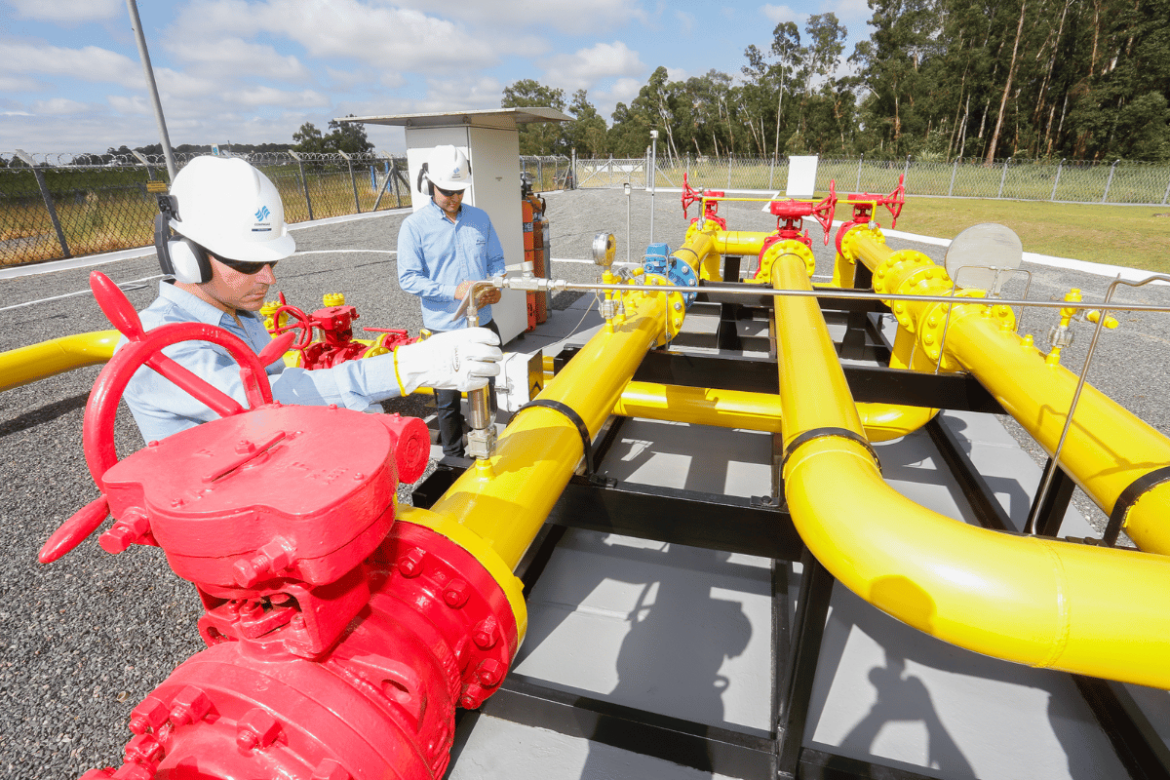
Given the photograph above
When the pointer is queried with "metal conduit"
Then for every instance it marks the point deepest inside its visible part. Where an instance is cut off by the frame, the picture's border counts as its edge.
(1088, 610)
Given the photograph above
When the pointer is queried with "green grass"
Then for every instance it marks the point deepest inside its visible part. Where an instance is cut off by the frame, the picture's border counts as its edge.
(1131, 236)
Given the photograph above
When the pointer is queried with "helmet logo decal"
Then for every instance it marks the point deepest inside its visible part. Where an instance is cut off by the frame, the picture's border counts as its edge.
(262, 213)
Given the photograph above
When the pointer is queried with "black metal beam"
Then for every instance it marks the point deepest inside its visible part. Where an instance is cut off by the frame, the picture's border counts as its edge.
(696, 745)
(868, 384)
(800, 666)
(980, 497)
(1050, 515)
(818, 765)
(715, 522)
(1127, 728)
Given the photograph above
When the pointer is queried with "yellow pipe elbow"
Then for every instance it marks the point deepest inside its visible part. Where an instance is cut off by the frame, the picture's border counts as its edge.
(1040, 602)
(38, 361)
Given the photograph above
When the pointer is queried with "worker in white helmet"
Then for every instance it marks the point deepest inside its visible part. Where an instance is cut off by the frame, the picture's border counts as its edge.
(228, 221)
(443, 249)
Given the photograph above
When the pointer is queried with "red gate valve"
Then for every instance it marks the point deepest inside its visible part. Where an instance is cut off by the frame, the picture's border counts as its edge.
(393, 338)
(864, 203)
(710, 201)
(790, 216)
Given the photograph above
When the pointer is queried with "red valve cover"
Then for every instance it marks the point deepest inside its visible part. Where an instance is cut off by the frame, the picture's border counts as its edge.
(307, 491)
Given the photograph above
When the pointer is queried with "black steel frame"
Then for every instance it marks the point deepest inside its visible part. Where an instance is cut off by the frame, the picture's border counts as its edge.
(762, 526)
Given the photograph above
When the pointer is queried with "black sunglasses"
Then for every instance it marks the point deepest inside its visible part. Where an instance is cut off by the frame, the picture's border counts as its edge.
(448, 193)
(248, 269)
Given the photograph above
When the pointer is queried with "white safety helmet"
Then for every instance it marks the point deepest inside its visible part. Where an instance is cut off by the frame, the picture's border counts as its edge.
(229, 208)
(448, 168)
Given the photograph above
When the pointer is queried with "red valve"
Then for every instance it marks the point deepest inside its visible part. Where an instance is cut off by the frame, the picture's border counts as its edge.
(689, 196)
(340, 642)
(791, 213)
(145, 348)
(336, 345)
(864, 203)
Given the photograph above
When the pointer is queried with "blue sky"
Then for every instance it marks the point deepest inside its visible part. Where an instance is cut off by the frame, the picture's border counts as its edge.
(253, 71)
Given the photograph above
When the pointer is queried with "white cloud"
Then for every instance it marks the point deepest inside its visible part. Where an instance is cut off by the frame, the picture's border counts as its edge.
(677, 74)
(777, 14)
(454, 94)
(62, 107)
(252, 97)
(91, 63)
(622, 90)
(237, 58)
(570, 16)
(10, 84)
(383, 37)
(68, 11)
(585, 67)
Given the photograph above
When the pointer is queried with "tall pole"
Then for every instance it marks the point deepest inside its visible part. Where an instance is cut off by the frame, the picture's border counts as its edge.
(653, 176)
(136, 25)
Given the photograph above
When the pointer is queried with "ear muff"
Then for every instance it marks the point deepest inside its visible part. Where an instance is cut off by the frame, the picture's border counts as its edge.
(424, 175)
(180, 257)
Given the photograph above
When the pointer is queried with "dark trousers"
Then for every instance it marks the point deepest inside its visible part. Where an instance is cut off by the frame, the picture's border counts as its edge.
(450, 412)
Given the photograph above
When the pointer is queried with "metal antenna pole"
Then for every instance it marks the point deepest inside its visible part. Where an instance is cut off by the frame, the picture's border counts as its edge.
(136, 25)
(653, 176)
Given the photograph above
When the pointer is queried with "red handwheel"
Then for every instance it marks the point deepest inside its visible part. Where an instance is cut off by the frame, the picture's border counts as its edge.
(145, 349)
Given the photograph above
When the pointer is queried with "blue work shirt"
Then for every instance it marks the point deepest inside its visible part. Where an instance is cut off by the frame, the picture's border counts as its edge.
(161, 409)
(435, 255)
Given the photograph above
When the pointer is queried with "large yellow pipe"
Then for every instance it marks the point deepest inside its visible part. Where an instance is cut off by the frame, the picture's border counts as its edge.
(1036, 601)
(751, 411)
(1107, 447)
(39, 361)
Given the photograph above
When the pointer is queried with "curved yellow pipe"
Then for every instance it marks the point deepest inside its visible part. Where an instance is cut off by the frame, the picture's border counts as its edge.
(38, 361)
(1025, 599)
(1107, 447)
(751, 411)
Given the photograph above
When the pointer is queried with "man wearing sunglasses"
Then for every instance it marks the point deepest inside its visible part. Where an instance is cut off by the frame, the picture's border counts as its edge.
(443, 249)
(229, 234)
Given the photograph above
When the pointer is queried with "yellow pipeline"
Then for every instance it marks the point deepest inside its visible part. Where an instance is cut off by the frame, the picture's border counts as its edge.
(1081, 609)
(38, 361)
(751, 411)
(495, 508)
(1107, 447)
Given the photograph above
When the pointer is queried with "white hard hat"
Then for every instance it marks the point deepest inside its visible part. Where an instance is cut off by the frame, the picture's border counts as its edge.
(448, 168)
(231, 209)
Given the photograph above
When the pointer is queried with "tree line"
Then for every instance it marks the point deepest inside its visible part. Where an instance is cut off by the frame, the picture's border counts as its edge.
(936, 79)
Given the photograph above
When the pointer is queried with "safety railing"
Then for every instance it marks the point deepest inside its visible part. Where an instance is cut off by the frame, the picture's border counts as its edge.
(55, 206)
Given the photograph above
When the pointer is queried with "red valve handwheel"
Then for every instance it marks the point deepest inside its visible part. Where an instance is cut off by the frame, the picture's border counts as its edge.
(144, 348)
(689, 196)
(303, 323)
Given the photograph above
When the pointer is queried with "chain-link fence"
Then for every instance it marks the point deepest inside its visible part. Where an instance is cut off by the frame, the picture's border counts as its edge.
(1064, 181)
(60, 205)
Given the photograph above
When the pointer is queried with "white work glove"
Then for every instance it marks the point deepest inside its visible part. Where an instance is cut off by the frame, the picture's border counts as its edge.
(456, 360)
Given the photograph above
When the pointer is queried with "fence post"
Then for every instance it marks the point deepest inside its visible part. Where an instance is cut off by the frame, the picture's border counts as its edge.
(145, 162)
(689, 167)
(1003, 177)
(728, 171)
(1109, 181)
(954, 170)
(356, 204)
(304, 182)
(573, 170)
(860, 160)
(1055, 184)
(771, 169)
(906, 171)
(1166, 196)
(47, 197)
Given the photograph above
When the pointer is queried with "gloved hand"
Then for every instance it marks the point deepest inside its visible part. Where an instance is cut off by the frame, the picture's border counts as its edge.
(456, 360)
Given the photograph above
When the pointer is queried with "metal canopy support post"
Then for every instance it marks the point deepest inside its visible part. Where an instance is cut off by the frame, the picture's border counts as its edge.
(40, 177)
(164, 137)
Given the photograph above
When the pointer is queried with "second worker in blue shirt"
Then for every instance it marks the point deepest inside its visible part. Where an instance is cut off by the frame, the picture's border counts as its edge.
(443, 248)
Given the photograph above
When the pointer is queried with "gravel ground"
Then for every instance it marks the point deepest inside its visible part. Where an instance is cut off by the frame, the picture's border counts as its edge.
(87, 637)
